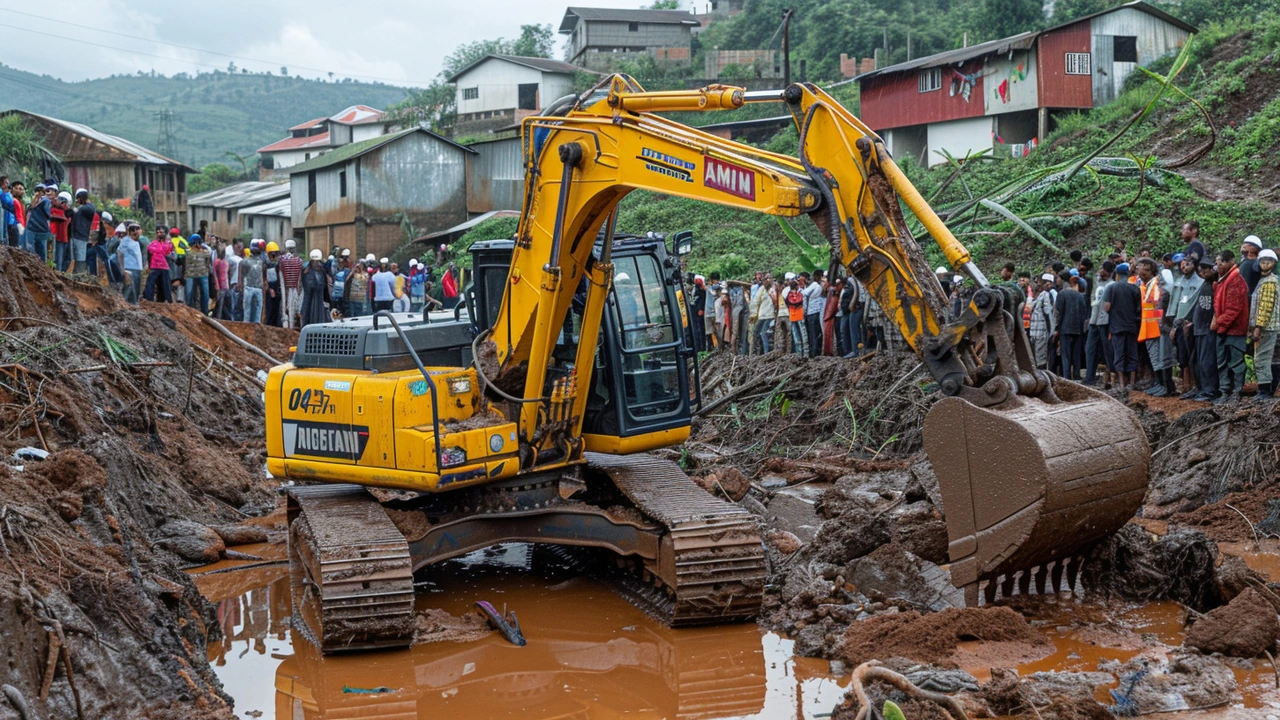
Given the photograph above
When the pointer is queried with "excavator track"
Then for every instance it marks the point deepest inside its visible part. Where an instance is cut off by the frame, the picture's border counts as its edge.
(352, 573)
(712, 564)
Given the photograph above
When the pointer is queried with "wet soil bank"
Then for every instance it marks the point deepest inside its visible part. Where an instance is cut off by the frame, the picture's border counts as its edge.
(152, 425)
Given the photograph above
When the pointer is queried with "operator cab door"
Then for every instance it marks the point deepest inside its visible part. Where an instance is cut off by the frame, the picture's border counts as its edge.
(641, 382)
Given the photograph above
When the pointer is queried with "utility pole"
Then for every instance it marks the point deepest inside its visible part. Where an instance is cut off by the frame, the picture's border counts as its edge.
(786, 47)
(908, 45)
(166, 142)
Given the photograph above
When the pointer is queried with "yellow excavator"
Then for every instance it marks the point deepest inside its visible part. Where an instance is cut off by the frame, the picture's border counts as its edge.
(529, 420)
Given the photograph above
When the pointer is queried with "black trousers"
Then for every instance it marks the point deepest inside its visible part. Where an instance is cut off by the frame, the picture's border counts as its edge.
(813, 323)
(1206, 364)
(157, 288)
(1071, 349)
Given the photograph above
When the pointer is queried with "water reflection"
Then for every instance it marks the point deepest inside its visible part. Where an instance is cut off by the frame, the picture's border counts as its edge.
(590, 655)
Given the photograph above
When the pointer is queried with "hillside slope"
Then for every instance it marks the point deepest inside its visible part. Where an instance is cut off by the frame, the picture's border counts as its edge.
(213, 113)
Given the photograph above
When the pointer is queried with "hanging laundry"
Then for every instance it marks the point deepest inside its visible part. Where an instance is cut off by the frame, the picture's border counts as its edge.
(953, 88)
(1003, 91)
(966, 90)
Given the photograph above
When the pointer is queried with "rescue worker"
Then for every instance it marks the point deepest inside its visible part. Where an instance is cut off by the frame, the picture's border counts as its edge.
(273, 299)
(315, 286)
(251, 281)
(290, 266)
(1152, 331)
(1265, 323)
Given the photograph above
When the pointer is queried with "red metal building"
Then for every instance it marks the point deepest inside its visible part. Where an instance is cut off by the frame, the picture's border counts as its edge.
(1003, 95)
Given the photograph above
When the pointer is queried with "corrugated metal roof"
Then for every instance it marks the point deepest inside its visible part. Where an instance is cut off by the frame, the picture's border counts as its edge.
(242, 194)
(462, 228)
(131, 150)
(308, 124)
(358, 115)
(275, 208)
(346, 152)
(1021, 41)
(661, 17)
(298, 143)
(542, 64)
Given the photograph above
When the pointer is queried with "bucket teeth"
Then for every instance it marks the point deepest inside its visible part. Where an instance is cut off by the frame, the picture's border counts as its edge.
(1042, 575)
(1073, 571)
(1024, 582)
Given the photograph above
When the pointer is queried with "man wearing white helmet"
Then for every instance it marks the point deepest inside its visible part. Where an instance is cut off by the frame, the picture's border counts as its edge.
(1250, 247)
(1264, 324)
(384, 286)
(315, 286)
(290, 267)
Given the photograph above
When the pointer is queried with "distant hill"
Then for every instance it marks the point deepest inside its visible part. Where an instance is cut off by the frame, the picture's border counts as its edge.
(212, 112)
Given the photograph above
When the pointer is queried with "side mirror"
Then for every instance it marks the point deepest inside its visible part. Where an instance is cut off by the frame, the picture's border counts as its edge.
(682, 243)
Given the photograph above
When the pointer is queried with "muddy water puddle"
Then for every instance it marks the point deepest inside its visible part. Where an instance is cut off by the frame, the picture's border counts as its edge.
(590, 654)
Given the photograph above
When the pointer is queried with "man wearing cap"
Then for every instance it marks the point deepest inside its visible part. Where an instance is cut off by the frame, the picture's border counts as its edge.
(1231, 323)
(1182, 299)
(1152, 331)
(1122, 302)
(1249, 249)
(1206, 340)
(290, 266)
(60, 221)
(38, 230)
(338, 288)
(129, 257)
(1097, 346)
(177, 266)
(103, 230)
(384, 286)
(1264, 322)
(252, 271)
(196, 268)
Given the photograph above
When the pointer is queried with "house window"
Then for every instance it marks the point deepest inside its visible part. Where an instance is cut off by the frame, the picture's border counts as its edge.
(249, 222)
(228, 215)
(1126, 48)
(471, 93)
(1078, 64)
(306, 157)
(633, 27)
(311, 188)
(342, 183)
(930, 80)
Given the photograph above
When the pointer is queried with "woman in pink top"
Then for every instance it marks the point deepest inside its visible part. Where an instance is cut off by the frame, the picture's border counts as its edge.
(158, 278)
(222, 308)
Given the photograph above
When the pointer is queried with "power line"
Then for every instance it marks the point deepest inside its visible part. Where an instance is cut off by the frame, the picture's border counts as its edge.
(183, 47)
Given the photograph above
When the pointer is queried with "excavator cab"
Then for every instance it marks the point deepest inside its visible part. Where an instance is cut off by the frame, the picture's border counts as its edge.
(643, 384)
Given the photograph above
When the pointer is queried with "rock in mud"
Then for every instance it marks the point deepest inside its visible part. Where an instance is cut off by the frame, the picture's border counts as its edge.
(436, 625)
(1050, 696)
(191, 541)
(1188, 680)
(729, 482)
(241, 534)
(1245, 627)
(785, 542)
(893, 573)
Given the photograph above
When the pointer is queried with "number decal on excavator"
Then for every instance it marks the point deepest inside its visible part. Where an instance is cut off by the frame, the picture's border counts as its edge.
(312, 402)
(668, 165)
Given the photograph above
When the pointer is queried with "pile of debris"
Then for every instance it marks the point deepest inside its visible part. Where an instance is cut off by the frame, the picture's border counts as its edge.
(133, 445)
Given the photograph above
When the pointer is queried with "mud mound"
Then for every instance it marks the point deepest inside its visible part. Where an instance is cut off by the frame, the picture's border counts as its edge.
(875, 403)
(1206, 454)
(148, 419)
(1245, 627)
(1134, 565)
(934, 638)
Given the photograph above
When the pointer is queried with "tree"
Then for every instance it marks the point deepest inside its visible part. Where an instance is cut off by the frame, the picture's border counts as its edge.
(1010, 17)
(433, 106)
(665, 5)
(211, 177)
(535, 41)
(467, 53)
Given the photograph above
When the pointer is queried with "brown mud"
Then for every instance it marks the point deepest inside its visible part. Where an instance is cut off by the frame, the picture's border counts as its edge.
(147, 420)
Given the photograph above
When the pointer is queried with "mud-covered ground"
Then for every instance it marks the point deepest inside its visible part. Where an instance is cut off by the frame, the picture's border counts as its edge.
(828, 453)
(153, 427)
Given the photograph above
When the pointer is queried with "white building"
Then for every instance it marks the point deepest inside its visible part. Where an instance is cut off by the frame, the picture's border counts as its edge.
(314, 138)
(501, 90)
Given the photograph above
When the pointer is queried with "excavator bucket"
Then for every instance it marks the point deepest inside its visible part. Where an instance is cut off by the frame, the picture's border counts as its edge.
(1028, 485)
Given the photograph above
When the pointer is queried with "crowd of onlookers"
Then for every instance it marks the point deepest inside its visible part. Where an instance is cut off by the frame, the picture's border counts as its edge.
(254, 281)
(1174, 324)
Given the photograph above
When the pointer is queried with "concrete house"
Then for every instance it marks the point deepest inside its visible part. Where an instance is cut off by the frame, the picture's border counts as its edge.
(111, 167)
(501, 90)
(600, 37)
(314, 138)
(270, 221)
(361, 195)
(1003, 94)
(223, 208)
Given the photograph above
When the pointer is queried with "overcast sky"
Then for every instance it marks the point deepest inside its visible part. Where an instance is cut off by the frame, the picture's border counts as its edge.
(401, 42)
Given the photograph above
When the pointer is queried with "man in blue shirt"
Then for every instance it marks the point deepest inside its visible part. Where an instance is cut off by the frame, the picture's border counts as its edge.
(39, 234)
(384, 287)
(129, 257)
(10, 218)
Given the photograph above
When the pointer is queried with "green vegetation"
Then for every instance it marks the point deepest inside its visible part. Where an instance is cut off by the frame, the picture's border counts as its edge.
(20, 149)
(212, 112)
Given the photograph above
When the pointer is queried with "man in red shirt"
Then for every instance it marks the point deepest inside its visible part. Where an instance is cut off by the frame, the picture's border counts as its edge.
(60, 222)
(1231, 323)
(290, 266)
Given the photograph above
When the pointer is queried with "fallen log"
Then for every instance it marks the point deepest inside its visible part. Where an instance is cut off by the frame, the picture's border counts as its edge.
(238, 340)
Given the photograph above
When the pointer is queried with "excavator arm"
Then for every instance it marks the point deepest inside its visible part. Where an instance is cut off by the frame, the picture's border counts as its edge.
(1032, 468)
